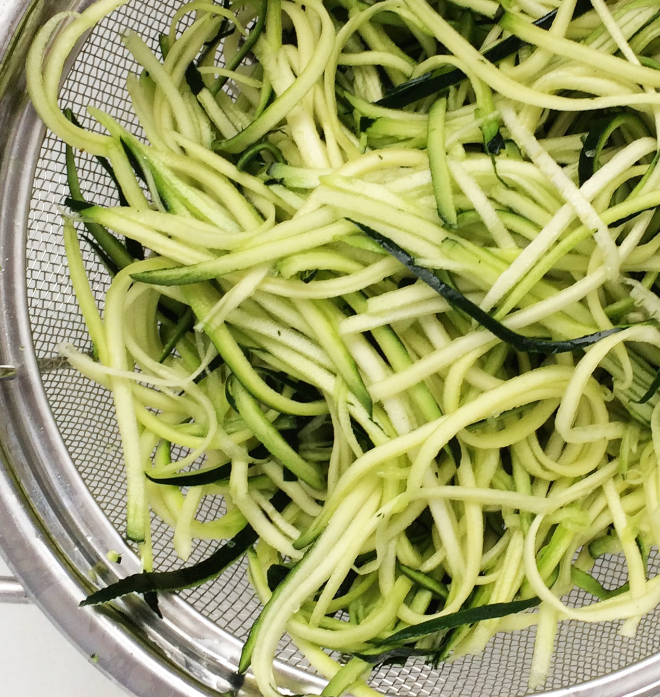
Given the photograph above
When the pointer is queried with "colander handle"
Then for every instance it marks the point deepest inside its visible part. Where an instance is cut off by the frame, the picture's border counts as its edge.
(11, 591)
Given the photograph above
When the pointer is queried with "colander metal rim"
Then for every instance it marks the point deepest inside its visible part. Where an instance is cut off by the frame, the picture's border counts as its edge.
(40, 527)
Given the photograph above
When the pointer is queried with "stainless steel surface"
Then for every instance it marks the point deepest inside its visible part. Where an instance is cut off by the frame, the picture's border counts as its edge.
(11, 591)
(61, 491)
(7, 372)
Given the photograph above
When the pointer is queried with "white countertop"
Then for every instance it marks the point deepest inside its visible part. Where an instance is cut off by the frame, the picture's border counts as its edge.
(37, 661)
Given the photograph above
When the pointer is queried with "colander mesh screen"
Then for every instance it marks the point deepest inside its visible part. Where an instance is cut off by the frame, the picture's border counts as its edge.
(84, 414)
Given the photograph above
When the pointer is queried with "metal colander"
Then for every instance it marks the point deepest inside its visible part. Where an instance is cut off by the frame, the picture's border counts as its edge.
(62, 504)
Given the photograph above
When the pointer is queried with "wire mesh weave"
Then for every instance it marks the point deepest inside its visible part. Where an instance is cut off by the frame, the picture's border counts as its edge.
(84, 414)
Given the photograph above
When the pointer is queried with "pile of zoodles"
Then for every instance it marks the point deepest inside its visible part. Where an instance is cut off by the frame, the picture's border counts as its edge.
(386, 273)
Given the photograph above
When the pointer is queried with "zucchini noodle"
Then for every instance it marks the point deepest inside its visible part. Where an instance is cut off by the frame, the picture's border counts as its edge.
(389, 289)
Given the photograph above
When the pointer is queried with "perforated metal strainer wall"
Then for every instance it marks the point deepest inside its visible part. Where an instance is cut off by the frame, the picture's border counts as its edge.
(84, 414)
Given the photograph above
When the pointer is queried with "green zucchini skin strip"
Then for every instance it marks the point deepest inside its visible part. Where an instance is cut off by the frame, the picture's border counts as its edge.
(198, 478)
(107, 242)
(283, 379)
(521, 343)
(588, 583)
(103, 161)
(393, 645)
(425, 581)
(596, 140)
(110, 265)
(248, 647)
(245, 49)
(248, 407)
(184, 325)
(213, 365)
(444, 196)
(235, 261)
(653, 388)
(189, 577)
(428, 84)
(111, 252)
(131, 249)
(249, 155)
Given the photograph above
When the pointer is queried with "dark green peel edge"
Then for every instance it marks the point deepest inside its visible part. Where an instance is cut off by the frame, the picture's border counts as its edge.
(394, 644)
(432, 83)
(455, 298)
(188, 577)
